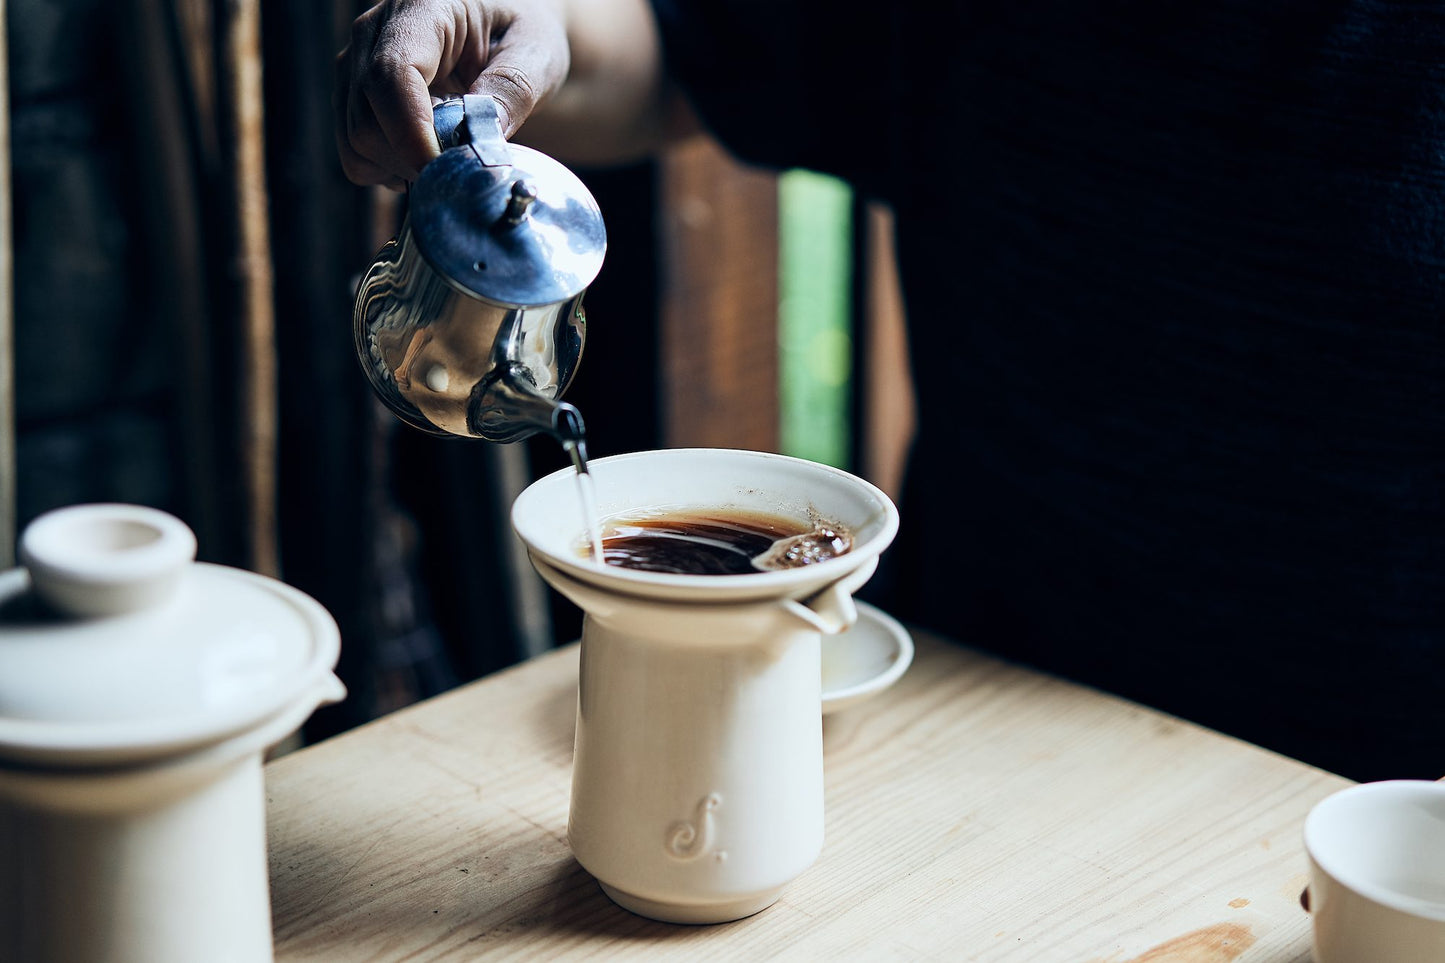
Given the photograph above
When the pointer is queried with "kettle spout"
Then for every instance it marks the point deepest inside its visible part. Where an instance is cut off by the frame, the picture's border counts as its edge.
(506, 406)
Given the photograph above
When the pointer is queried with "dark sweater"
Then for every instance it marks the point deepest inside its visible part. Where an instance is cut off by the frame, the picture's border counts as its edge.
(1175, 281)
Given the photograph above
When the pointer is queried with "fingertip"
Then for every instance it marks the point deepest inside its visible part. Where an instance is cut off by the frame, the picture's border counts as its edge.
(509, 129)
(504, 117)
(409, 163)
(403, 115)
(530, 62)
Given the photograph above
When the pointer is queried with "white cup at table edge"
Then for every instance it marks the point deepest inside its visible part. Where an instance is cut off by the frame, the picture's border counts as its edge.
(1377, 873)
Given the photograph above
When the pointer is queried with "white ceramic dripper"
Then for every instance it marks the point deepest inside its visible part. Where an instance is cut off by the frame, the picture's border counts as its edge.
(697, 789)
(138, 692)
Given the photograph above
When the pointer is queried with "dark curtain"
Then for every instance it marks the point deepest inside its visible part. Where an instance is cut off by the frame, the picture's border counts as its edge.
(436, 601)
(126, 340)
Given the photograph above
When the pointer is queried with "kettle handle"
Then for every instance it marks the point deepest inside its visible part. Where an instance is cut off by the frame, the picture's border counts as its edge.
(472, 121)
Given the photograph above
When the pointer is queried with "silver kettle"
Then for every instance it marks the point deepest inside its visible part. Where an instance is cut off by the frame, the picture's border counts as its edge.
(470, 321)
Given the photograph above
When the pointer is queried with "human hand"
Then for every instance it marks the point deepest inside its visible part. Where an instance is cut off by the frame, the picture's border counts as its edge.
(404, 52)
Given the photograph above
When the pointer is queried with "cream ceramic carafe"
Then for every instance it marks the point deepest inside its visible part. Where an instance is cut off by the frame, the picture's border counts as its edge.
(138, 692)
(697, 782)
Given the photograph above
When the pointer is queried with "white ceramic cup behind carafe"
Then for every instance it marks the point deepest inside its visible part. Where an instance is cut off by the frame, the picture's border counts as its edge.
(697, 792)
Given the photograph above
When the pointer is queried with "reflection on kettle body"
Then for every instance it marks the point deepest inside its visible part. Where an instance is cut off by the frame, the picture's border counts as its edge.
(470, 322)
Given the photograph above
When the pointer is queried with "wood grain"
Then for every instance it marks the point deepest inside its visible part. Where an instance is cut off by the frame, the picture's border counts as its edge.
(976, 811)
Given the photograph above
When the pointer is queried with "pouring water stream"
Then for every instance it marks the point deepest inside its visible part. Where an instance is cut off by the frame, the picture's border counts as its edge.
(574, 442)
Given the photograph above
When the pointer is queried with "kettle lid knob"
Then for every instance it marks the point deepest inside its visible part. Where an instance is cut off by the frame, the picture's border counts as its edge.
(523, 194)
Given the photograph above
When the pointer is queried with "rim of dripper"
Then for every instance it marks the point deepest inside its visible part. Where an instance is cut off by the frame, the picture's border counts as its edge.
(541, 513)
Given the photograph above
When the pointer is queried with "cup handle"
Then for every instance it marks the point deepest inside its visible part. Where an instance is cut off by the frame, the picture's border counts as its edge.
(831, 610)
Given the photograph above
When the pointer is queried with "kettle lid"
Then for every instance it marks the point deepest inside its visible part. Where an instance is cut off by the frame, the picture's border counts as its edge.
(117, 647)
(501, 221)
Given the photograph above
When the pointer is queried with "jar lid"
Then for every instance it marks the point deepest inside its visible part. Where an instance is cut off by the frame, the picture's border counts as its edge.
(500, 221)
(116, 646)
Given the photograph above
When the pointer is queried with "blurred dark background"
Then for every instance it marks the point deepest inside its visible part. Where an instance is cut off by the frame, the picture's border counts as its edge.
(184, 251)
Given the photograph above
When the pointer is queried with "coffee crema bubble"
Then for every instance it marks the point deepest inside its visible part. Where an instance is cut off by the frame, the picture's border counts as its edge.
(720, 542)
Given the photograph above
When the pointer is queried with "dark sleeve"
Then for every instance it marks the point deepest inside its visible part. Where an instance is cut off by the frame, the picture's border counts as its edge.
(786, 83)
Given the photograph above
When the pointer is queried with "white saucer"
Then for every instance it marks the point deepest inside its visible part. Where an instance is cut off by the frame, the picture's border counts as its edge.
(865, 660)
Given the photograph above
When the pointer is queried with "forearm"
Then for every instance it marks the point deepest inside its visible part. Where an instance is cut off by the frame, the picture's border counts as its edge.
(617, 103)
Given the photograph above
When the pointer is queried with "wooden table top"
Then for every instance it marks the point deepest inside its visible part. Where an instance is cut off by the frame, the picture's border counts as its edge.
(975, 811)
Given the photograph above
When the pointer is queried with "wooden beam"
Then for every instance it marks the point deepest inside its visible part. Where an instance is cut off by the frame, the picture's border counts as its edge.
(241, 81)
(719, 279)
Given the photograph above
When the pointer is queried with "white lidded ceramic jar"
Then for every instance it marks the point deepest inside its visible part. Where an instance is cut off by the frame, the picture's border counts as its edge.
(697, 783)
(139, 690)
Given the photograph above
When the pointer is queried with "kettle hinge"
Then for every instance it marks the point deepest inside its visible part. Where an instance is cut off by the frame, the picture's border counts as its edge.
(484, 130)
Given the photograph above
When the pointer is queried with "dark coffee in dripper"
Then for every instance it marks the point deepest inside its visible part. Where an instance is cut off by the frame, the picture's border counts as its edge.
(721, 542)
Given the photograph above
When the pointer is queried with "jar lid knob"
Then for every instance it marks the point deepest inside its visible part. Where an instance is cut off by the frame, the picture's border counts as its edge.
(105, 559)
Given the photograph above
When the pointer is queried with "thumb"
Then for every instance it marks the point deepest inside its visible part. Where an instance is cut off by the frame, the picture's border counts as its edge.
(529, 63)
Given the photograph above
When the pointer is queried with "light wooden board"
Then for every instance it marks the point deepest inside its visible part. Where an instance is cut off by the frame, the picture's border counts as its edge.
(976, 811)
